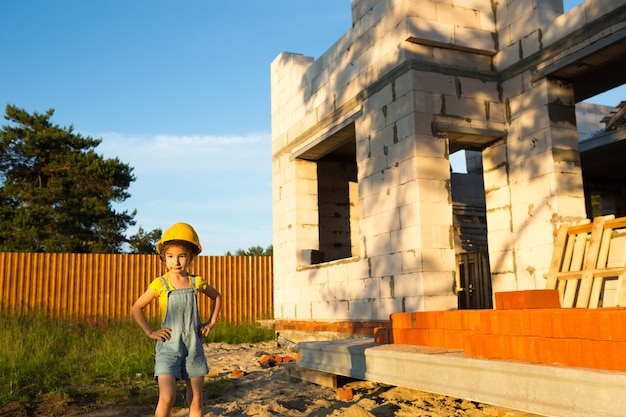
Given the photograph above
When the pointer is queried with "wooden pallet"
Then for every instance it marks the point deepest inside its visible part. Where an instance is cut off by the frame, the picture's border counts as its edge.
(581, 262)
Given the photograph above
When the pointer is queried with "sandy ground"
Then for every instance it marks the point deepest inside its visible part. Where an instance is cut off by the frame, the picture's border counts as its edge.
(264, 391)
(270, 391)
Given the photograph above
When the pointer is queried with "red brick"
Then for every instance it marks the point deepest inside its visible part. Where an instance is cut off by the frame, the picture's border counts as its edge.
(588, 324)
(540, 299)
(602, 353)
(619, 330)
(527, 299)
(496, 322)
(593, 354)
(574, 352)
(617, 353)
(545, 323)
(345, 394)
(382, 335)
(558, 323)
(572, 322)
(502, 300)
(507, 346)
(524, 323)
(439, 319)
(454, 339)
(400, 320)
(436, 338)
(532, 324)
(471, 343)
(546, 350)
(533, 347)
(410, 336)
(485, 321)
(519, 348)
(495, 411)
(611, 322)
(420, 337)
(484, 347)
(495, 347)
(470, 320)
(557, 351)
(513, 320)
(398, 336)
(455, 320)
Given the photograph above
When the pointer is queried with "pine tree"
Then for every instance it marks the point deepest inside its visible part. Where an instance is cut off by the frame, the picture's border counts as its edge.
(56, 192)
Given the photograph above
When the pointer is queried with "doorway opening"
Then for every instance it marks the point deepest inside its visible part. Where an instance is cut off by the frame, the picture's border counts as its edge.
(473, 278)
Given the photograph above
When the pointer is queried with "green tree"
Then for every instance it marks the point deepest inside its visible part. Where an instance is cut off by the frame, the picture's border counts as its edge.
(56, 193)
(144, 242)
(253, 251)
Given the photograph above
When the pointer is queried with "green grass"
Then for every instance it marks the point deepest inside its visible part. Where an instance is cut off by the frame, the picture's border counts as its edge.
(88, 359)
(241, 333)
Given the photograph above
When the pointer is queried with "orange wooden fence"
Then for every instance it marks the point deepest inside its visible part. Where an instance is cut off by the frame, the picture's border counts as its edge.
(64, 285)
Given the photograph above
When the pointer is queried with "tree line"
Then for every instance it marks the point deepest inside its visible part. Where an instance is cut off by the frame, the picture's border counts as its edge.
(57, 193)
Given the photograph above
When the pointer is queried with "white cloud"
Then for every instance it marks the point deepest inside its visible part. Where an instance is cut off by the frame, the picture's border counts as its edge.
(150, 153)
(219, 184)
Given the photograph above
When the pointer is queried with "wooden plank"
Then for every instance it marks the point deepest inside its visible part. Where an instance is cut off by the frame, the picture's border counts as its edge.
(620, 293)
(557, 256)
(617, 223)
(591, 260)
(567, 261)
(324, 379)
(596, 289)
(571, 286)
(620, 296)
(579, 263)
(601, 273)
(584, 226)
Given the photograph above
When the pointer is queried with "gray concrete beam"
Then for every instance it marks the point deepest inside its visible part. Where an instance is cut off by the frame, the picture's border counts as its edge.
(547, 390)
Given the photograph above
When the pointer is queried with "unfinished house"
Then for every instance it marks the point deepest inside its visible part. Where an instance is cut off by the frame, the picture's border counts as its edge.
(369, 218)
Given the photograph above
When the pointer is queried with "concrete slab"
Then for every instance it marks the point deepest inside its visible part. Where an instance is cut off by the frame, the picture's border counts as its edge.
(547, 390)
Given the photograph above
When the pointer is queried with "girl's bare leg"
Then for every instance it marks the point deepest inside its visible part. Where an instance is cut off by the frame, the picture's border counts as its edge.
(194, 396)
(167, 395)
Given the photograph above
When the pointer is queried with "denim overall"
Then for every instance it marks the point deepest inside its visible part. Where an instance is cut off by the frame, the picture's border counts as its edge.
(182, 355)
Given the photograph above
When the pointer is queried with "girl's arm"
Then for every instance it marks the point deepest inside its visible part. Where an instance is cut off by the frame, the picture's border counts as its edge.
(140, 317)
(216, 306)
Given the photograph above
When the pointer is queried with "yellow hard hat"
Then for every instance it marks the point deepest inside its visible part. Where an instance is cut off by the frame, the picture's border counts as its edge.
(179, 231)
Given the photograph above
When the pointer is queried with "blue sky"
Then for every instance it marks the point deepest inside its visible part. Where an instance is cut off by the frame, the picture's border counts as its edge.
(179, 90)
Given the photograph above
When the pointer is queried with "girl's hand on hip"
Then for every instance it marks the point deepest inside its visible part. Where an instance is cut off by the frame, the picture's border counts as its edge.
(205, 329)
(161, 334)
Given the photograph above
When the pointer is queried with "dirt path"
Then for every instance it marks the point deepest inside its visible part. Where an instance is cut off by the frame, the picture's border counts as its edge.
(269, 391)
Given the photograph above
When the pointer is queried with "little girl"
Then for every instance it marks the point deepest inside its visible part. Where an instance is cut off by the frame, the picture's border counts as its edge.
(179, 353)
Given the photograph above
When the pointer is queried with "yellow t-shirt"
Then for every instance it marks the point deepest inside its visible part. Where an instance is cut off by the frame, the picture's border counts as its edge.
(161, 293)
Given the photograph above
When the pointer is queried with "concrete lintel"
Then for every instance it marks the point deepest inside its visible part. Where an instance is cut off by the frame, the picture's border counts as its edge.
(547, 390)
(451, 45)
(462, 135)
(545, 69)
(443, 126)
(324, 142)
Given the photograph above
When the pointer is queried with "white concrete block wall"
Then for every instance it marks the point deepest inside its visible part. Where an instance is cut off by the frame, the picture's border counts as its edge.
(404, 247)
(480, 5)
(539, 152)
